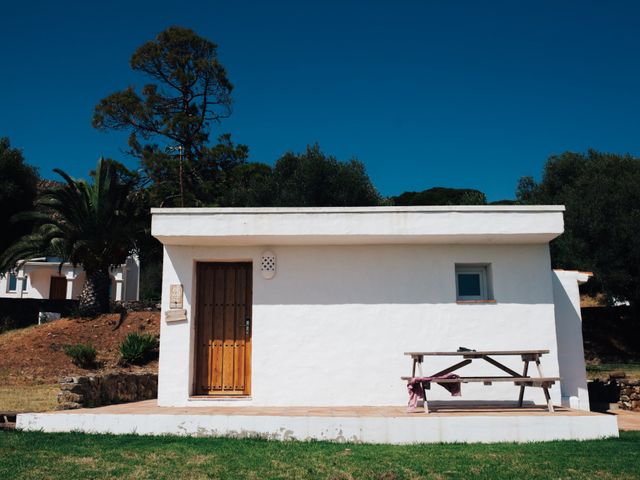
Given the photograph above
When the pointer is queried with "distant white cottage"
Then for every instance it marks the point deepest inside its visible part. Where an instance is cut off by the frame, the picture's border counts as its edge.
(316, 306)
(44, 278)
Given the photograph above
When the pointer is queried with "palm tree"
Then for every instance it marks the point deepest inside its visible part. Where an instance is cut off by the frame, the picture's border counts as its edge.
(94, 225)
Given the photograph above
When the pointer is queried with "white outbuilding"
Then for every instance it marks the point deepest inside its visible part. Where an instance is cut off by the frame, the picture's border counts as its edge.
(49, 278)
(274, 307)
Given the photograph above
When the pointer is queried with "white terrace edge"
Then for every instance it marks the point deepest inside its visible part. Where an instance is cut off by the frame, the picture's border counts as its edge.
(358, 225)
(393, 430)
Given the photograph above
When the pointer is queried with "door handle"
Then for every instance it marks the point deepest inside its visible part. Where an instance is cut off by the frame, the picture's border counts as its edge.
(247, 325)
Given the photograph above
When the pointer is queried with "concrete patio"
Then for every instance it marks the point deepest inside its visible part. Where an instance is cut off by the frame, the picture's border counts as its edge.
(449, 422)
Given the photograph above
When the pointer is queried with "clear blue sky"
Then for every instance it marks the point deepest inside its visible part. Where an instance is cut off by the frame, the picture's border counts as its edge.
(425, 93)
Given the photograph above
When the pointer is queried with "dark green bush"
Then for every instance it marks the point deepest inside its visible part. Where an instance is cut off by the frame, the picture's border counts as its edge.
(84, 356)
(138, 349)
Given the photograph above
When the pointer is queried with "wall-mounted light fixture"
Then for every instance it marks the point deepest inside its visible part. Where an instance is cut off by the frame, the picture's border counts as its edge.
(268, 265)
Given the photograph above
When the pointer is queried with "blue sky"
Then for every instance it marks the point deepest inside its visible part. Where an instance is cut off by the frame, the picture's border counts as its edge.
(426, 93)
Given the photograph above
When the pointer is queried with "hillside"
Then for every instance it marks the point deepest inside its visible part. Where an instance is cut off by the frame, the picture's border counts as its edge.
(32, 359)
(35, 355)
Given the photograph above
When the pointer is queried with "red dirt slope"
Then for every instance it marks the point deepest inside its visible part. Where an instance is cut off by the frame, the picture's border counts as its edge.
(35, 354)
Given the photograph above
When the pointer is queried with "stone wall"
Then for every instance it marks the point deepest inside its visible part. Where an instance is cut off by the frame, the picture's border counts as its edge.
(100, 390)
(629, 395)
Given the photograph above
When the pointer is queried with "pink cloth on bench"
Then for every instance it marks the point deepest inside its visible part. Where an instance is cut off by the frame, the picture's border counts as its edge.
(414, 387)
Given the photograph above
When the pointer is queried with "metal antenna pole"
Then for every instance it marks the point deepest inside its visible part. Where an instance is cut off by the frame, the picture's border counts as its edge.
(180, 148)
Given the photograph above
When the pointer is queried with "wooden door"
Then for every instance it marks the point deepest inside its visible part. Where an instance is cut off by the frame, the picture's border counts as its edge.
(223, 329)
(58, 288)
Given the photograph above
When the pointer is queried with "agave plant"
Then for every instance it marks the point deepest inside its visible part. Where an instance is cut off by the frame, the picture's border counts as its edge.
(94, 225)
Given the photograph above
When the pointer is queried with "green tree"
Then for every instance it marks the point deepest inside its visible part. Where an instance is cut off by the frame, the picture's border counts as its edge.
(248, 185)
(526, 190)
(313, 179)
(204, 179)
(170, 120)
(94, 225)
(213, 172)
(601, 192)
(441, 196)
(18, 189)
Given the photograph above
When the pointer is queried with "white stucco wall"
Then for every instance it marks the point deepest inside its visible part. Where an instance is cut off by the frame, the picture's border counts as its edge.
(39, 282)
(569, 334)
(132, 278)
(38, 277)
(5, 293)
(332, 326)
(470, 224)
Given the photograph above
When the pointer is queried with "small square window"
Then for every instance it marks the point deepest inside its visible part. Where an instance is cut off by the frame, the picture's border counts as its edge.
(472, 282)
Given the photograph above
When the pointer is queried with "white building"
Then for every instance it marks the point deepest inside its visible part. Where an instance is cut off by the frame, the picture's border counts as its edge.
(44, 278)
(316, 306)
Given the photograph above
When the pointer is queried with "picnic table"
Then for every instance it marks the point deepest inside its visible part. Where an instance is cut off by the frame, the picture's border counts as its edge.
(522, 380)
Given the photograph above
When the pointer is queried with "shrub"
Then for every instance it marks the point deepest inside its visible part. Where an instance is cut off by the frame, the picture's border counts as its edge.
(84, 356)
(138, 349)
(6, 323)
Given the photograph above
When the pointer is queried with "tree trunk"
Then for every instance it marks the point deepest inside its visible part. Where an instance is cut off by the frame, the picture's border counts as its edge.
(94, 298)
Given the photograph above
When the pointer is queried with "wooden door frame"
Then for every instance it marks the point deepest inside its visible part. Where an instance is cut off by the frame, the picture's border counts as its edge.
(198, 264)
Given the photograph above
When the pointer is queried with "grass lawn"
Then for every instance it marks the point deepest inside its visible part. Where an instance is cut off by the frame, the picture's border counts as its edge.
(602, 371)
(28, 398)
(79, 456)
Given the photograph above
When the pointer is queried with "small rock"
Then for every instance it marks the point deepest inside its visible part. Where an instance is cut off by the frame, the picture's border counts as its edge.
(64, 397)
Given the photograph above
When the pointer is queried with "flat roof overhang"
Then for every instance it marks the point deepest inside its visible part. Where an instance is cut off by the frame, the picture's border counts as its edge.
(357, 225)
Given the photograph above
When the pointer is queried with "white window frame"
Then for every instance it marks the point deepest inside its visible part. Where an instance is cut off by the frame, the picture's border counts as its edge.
(483, 272)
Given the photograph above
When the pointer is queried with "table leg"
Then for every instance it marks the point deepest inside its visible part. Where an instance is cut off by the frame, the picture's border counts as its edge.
(452, 368)
(548, 397)
(545, 387)
(417, 360)
(524, 374)
(424, 397)
(539, 367)
(500, 366)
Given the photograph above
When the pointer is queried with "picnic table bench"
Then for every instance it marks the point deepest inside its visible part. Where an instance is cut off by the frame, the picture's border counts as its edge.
(522, 380)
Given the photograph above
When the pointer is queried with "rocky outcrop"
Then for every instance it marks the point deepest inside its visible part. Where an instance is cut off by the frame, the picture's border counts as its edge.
(629, 395)
(100, 390)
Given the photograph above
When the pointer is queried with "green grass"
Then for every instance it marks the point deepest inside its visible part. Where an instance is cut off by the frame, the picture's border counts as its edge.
(602, 371)
(79, 456)
(28, 398)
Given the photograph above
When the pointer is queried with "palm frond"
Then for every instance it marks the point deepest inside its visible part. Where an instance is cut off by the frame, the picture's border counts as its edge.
(90, 224)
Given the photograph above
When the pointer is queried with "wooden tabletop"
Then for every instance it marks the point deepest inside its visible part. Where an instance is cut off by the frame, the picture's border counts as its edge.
(479, 352)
